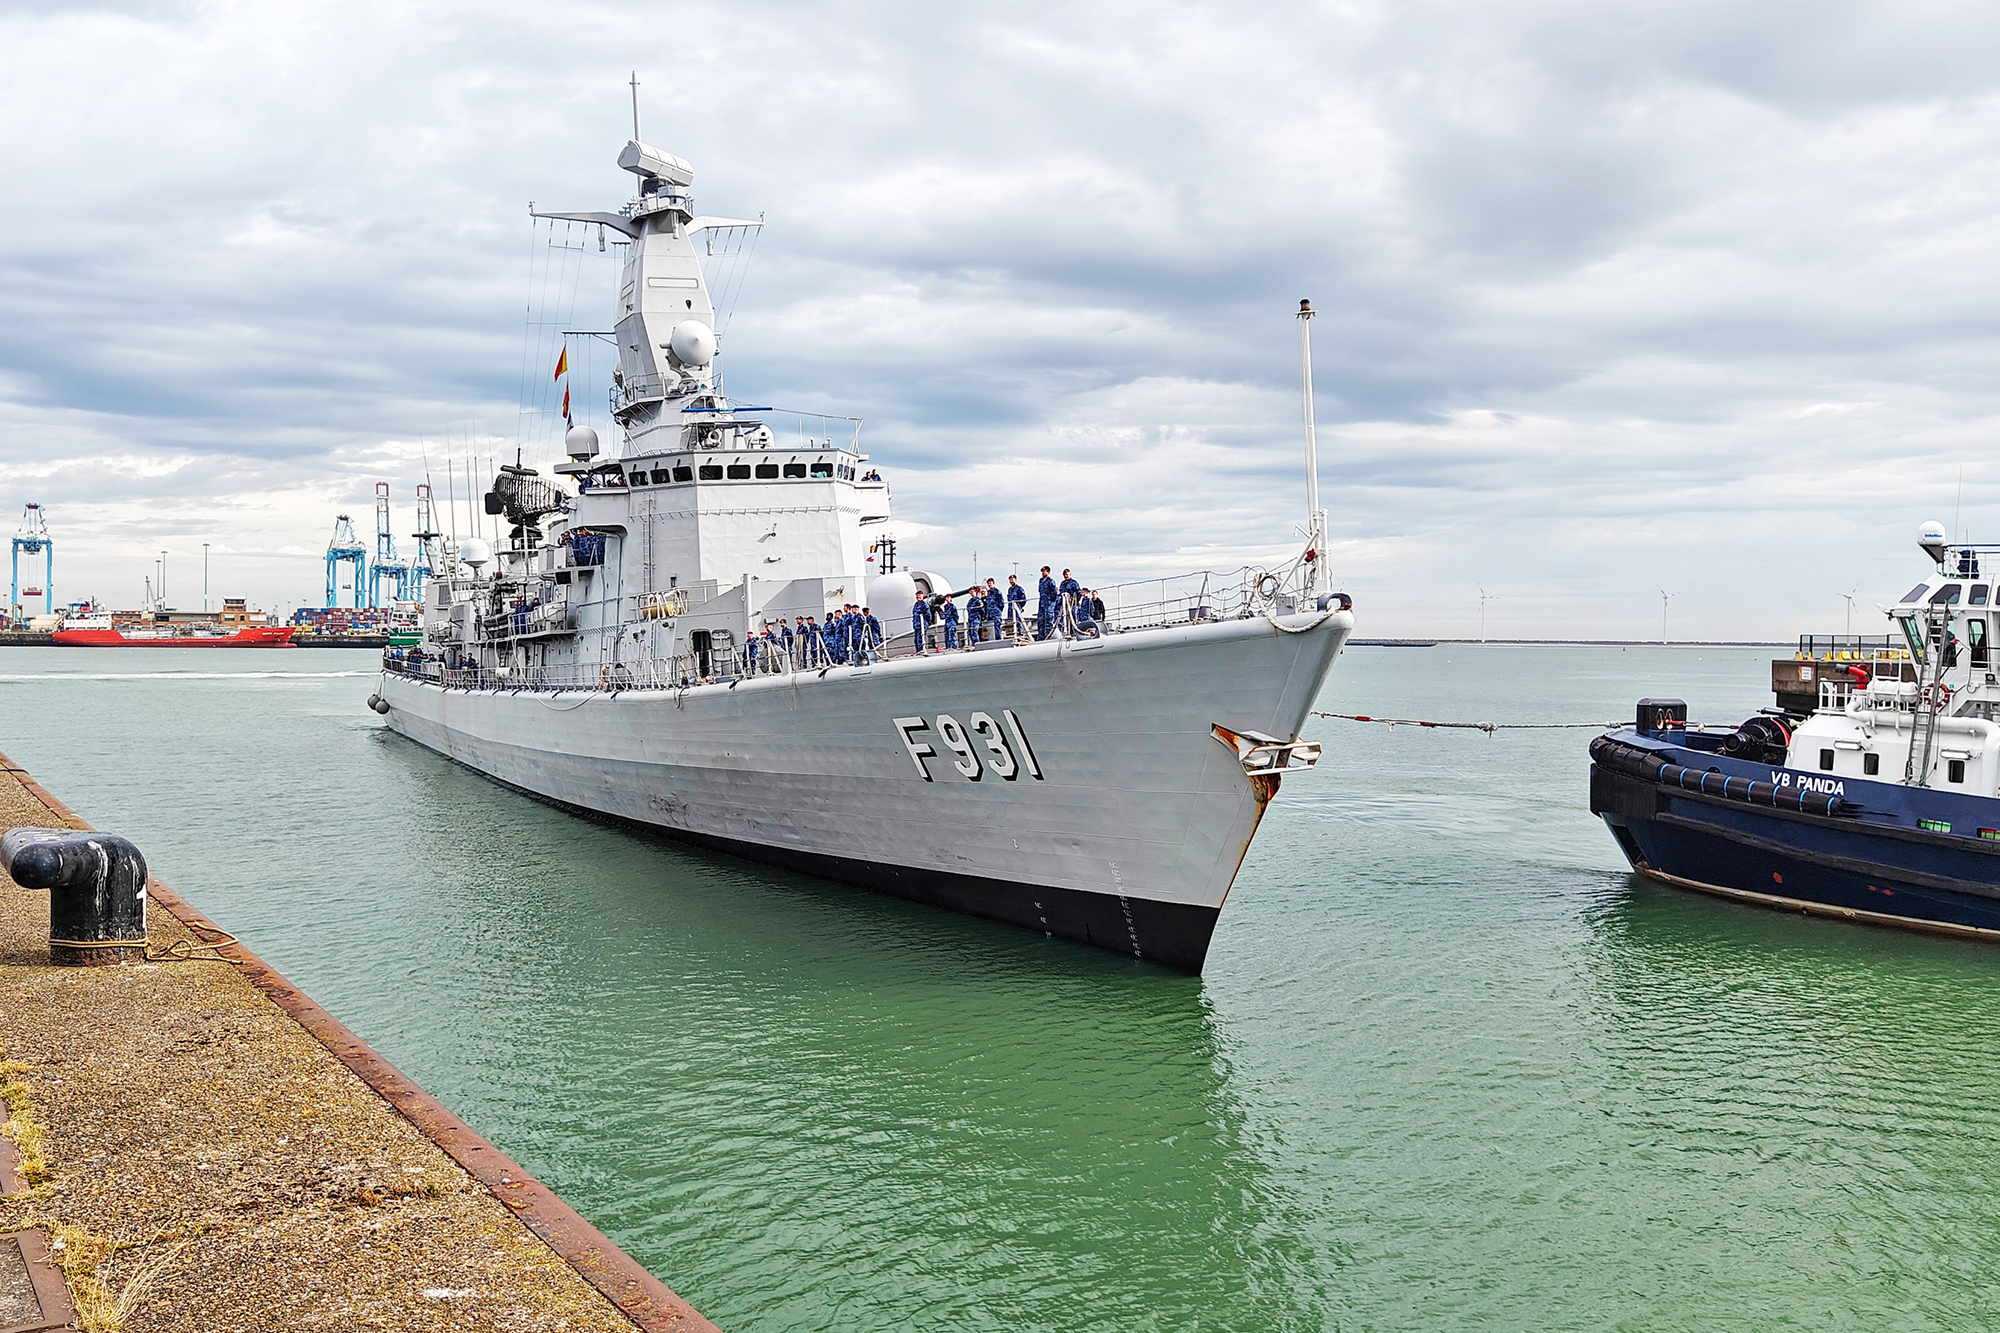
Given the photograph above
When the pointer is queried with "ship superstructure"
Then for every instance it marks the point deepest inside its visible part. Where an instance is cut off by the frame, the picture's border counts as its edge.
(674, 637)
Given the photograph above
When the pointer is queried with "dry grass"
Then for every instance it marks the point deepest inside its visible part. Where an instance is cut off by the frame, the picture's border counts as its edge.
(105, 1298)
(21, 1126)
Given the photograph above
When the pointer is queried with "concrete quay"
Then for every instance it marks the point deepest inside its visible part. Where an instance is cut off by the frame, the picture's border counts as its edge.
(193, 1145)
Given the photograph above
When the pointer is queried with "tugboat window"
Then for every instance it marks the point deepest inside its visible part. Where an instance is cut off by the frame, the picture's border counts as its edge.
(711, 472)
(1916, 593)
(1947, 595)
(1977, 597)
(822, 469)
(1975, 639)
(1826, 759)
(661, 476)
(683, 474)
(1871, 764)
(795, 469)
(739, 472)
(767, 472)
(1954, 771)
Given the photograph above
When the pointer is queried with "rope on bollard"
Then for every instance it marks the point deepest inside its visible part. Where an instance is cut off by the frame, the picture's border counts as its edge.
(1488, 727)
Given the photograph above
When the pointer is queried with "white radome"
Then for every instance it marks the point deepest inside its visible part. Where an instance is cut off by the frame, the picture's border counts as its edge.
(581, 442)
(475, 552)
(693, 342)
(1931, 538)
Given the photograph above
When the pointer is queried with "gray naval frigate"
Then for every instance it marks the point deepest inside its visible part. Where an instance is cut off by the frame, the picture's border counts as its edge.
(1093, 777)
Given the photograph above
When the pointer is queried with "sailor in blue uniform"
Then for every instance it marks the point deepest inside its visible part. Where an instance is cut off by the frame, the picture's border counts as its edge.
(950, 613)
(785, 635)
(996, 606)
(1070, 590)
(920, 623)
(1017, 605)
(874, 634)
(975, 618)
(1086, 624)
(1045, 605)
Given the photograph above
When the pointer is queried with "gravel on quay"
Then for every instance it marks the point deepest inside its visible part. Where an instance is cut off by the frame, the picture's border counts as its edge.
(205, 1155)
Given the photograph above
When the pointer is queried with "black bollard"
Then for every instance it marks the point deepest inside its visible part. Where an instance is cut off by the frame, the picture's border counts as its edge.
(97, 892)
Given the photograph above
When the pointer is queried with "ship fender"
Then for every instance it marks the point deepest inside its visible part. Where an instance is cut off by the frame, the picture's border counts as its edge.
(1632, 761)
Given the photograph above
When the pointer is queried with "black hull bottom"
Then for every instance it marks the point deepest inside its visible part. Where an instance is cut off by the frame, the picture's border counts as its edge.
(1173, 935)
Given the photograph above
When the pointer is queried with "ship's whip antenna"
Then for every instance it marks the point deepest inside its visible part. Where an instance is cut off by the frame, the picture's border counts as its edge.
(635, 105)
(1316, 517)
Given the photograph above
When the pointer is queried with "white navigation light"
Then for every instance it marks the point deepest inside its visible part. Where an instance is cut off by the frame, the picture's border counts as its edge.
(693, 342)
(643, 161)
(474, 552)
(1931, 538)
(581, 443)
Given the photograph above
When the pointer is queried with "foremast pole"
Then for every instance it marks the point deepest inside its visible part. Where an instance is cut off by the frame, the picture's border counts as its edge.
(1315, 516)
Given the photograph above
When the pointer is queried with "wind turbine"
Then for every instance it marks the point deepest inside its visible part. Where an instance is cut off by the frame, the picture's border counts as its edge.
(1848, 597)
(1664, 596)
(1484, 598)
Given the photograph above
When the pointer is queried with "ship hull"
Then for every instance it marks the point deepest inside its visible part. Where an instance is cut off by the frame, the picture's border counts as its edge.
(1859, 852)
(1122, 824)
(262, 636)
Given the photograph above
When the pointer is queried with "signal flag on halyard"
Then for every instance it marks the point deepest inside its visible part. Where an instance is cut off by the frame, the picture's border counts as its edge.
(565, 402)
(562, 364)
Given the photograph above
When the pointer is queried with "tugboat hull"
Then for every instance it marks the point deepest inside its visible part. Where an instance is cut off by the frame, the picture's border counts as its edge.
(1852, 850)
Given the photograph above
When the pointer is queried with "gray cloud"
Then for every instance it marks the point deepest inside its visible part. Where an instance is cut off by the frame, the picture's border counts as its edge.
(1613, 295)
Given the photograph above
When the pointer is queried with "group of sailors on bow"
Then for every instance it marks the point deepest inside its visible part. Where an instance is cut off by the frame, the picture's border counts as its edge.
(850, 635)
(992, 613)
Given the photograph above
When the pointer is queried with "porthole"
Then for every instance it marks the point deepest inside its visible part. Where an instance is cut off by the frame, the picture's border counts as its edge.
(1871, 764)
(1826, 759)
(1954, 770)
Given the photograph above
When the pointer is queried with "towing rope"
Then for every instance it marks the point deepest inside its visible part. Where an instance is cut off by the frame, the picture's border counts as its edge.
(1488, 727)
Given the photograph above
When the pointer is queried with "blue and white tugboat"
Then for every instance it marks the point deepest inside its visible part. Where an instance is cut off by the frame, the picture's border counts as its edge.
(1871, 793)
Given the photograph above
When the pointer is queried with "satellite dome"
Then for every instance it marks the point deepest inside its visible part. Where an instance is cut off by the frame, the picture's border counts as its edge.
(693, 342)
(1931, 538)
(581, 443)
(475, 552)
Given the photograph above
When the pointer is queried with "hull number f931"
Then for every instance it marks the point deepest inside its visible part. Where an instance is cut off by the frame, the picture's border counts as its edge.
(974, 747)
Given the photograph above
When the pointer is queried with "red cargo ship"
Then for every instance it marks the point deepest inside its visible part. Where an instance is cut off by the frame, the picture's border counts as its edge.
(99, 632)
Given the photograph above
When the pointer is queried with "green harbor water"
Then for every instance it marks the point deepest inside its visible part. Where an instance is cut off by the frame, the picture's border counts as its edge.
(1450, 1066)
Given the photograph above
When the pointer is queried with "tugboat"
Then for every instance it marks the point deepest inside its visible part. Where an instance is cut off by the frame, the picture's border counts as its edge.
(1870, 793)
(700, 640)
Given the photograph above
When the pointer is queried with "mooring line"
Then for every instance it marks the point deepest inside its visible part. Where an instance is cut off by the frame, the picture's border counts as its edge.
(1488, 727)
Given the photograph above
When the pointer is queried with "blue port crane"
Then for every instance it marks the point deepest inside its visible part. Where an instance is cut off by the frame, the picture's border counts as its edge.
(34, 538)
(345, 548)
(388, 565)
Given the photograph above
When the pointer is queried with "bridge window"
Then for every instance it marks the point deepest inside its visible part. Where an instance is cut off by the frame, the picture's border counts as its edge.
(683, 474)
(739, 472)
(767, 472)
(661, 476)
(795, 469)
(1871, 764)
(1947, 595)
(1977, 597)
(638, 478)
(1916, 593)
(711, 472)
(822, 469)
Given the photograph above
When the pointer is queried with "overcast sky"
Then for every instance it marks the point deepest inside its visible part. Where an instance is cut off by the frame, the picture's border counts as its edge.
(1615, 295)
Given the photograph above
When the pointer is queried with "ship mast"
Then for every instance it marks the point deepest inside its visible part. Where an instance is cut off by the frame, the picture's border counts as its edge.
(1315, 516)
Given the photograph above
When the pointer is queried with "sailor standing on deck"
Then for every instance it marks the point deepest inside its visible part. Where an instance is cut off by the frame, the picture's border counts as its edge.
(996, 607)
(874, 634)
(1017, 605)
(920, 622)
(975, 618)
(785, 634)
(950, 612)
(1045, 604)
(1070, 590)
